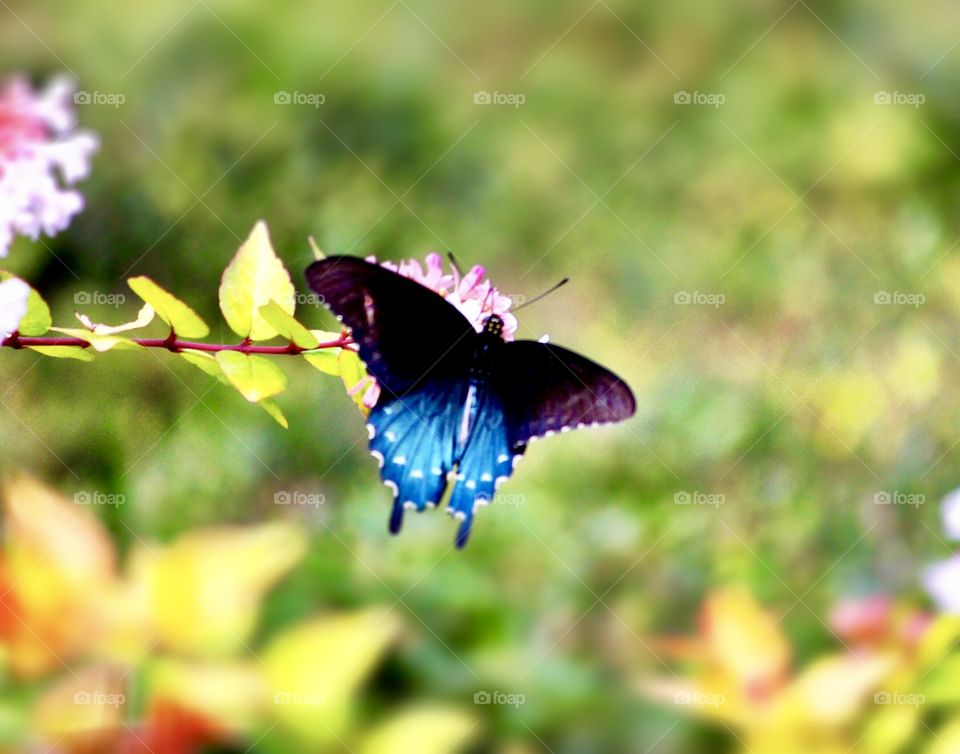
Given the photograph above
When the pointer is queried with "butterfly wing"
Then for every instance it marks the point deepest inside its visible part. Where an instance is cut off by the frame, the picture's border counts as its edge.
(547, 389)
(408, 335)
(413, 440)
(483, 456)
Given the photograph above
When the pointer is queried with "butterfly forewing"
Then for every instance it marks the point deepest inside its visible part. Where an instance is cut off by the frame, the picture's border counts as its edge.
(407, 334)
(547, 388)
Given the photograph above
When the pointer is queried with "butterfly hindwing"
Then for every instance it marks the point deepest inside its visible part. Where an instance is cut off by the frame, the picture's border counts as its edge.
(483, 455)
(549, 389)
(407, 334)
(412, 439)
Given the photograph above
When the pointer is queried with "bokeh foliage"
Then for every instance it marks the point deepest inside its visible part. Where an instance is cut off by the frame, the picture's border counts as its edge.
(798, 399)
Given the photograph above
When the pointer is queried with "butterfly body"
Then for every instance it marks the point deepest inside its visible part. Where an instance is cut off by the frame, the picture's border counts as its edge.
(457, 406)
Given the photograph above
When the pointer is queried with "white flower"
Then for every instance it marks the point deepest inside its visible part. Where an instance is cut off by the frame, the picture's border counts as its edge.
(13, 305)
(942, 582)
(950, 513)
(41, 157)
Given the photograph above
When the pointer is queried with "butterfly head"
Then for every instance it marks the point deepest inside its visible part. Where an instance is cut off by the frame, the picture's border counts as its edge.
(493, 325)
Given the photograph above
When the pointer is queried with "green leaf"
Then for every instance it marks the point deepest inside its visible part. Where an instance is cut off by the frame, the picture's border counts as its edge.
(327, 361)
(274, 410)
(254, 376)
(317, 254)
(37, 320)
(426, 729)
(326, 336)
(181, 318)
(254, 277)
(64, 352)
(205, 362)
(287, 326)
(100, 343)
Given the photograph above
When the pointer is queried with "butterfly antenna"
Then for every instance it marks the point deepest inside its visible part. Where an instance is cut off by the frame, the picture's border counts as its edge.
(542, 295)
(454, 263)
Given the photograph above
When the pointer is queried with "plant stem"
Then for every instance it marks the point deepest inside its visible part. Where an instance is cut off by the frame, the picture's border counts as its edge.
(176, 345)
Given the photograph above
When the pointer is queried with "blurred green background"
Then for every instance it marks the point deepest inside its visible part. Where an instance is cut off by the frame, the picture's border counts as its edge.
(782, 201)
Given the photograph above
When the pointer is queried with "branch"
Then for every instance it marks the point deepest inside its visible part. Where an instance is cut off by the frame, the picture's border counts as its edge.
(175, 345)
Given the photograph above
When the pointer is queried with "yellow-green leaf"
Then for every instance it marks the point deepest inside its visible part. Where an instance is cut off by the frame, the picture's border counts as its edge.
(254, 376)
(425, 729)
(169, 308)
(352, 372)
(64, 352)
(287, 326)
(326, 336)
(37, 320)
(254, 277)
(327, 361)
(207, 363)
(317, 254)
(144, 318)
(274, 410)
(315, 669)
(99, 342)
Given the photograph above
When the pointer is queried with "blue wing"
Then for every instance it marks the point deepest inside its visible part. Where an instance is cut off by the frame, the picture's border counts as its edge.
(483, 456)
(413, 439)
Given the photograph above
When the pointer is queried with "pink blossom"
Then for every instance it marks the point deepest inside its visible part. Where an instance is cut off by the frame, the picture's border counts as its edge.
(41, 157)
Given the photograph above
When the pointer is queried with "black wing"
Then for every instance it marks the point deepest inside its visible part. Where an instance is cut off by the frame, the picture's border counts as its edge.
(548, 389)
(407, 334)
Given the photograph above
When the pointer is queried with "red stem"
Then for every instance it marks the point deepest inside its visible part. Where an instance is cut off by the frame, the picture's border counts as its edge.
(175, 345)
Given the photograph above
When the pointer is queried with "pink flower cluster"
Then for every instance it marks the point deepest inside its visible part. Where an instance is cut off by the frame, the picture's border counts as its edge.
(472, 294)
(41, 157)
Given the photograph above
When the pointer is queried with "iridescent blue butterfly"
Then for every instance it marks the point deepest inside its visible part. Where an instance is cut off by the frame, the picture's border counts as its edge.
(456, 406)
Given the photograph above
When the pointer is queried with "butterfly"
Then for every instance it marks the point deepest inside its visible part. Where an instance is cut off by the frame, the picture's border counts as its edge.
(456, 405)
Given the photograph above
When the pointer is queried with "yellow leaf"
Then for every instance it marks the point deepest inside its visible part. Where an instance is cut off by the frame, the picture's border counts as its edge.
(254, 376)
(832, 691)
(181, 318)
(315, 668)
(326, 361)
(424, 729)
(287, 326)
(745, 640)
(274, 410)
(207, 363)
(254, 277)
(37, 319)
(205, 588)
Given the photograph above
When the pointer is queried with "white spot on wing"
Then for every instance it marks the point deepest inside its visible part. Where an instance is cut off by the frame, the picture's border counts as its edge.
(416, 474)
(391, 437)
(400, 460)
(503, 458)
(392, 485)
(371, 431)
(486, 477)
(379, 456)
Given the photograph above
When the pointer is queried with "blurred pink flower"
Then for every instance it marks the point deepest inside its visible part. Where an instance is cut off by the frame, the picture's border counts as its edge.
(13, 304)
(41, 156)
